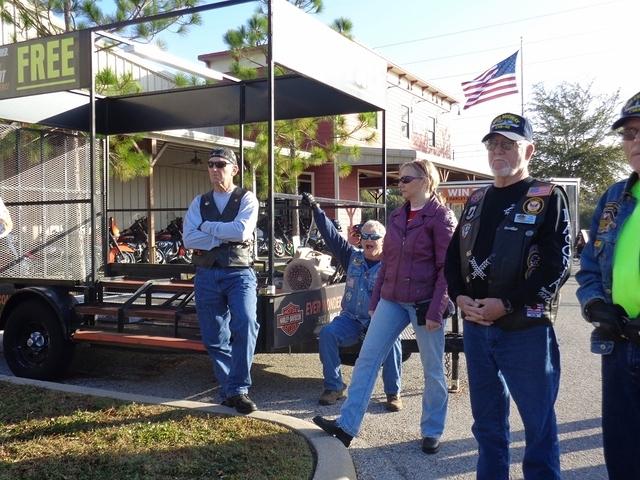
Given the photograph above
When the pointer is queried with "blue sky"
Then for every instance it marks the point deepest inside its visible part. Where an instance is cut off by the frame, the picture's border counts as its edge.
(447, 42)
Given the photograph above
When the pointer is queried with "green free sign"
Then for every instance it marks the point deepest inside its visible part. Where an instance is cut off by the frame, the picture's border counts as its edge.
(45, 65)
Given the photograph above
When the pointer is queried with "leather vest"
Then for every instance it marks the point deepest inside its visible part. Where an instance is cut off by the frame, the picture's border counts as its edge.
(231, 254)
(514, 255)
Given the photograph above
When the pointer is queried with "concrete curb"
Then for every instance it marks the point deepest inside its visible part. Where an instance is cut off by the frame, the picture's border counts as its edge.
(333, 459)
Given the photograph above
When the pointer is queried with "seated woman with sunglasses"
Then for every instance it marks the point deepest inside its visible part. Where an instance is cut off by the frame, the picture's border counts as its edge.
(362, 266)
(410, 288)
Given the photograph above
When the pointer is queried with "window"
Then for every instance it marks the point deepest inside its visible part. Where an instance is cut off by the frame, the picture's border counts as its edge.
(404, 121)
(305, 182)
(431, 131)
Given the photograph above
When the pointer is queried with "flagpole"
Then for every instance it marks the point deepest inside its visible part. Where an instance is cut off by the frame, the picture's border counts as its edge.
(521, 78)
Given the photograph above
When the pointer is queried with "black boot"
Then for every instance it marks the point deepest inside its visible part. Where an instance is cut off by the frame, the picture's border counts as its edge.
(242, 403)
(430, 445)
(332, 428)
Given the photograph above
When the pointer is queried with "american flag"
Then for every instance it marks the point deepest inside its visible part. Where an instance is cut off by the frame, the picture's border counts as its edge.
(498, 81)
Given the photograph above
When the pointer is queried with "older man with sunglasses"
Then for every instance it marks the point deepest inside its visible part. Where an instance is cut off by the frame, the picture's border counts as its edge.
(219, 226)
(507, 260)
(362, 266)
(609, 293)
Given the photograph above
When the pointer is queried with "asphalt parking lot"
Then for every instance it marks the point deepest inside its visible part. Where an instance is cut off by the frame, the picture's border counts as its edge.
(388, 447)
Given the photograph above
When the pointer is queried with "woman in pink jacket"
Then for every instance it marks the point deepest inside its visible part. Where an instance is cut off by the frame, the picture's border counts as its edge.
(411, 288)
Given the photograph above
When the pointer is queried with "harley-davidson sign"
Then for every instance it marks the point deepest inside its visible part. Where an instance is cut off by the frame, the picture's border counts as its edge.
(290, 318)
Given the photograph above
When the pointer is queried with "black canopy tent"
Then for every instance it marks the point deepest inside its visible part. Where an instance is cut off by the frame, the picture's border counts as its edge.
(195, 107)
(322, 82)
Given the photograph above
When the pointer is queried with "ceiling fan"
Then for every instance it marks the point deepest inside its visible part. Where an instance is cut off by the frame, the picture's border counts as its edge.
(196, 160)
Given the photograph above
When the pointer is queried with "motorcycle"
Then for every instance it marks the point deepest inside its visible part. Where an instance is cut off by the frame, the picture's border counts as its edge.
(136, 237)
(282, 242)
(170, 242)
(119, 252)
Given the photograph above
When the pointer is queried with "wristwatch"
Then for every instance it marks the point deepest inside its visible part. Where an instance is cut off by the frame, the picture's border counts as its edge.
(507, 305)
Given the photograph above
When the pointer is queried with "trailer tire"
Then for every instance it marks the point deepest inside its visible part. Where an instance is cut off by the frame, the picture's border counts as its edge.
(35, 344)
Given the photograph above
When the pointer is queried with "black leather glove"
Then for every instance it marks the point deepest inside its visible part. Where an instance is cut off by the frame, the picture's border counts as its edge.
(608, 318)
(308, 200)
(631, 330)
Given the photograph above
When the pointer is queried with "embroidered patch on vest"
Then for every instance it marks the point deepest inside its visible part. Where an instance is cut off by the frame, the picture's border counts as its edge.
(470, 212)
(533, 261)
(608, 217)
(533, 205)
(522, 218)
(535, 311)
(465, 230)
(540, 190)
(476, 196)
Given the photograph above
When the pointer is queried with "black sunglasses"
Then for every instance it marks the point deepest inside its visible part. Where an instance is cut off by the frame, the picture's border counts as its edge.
(370, 236)
(219, 164)
(407, 179)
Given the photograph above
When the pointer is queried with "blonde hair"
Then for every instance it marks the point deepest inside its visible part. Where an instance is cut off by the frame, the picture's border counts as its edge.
(424, 168)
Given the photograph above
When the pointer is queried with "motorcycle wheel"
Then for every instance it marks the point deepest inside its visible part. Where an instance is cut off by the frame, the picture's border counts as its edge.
(125, 257)
(288, 249)
(160, 257)
(278, 249)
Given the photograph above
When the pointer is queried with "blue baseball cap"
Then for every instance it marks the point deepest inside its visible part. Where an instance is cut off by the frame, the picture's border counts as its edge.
(512, 126)
(631, 109)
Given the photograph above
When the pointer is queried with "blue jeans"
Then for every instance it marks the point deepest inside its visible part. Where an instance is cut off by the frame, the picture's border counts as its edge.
(344, 331)
(621, 411)
(525, 364)
(226, 303)
(388, 321)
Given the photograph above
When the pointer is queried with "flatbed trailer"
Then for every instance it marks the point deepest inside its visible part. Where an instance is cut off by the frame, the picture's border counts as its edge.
(57, 288)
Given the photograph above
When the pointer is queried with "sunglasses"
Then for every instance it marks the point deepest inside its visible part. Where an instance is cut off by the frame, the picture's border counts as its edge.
(505, 145)
(370, 236)
(407, 179)
(629, 134)
(219, 164)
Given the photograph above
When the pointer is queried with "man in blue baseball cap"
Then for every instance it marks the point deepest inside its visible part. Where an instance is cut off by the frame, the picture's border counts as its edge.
(609, 280)
(512, 126)
(219, 226)
(505, 265)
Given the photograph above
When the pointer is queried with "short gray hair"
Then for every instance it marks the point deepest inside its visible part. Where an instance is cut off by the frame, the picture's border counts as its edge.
(376, 226)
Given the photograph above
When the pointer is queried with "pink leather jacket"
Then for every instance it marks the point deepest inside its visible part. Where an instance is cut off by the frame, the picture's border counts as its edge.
(413, 259)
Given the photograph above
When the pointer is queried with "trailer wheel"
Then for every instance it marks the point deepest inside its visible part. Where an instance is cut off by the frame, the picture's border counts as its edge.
(34, 342)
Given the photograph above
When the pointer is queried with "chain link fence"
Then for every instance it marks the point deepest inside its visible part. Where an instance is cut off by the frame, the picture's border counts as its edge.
(45, 180)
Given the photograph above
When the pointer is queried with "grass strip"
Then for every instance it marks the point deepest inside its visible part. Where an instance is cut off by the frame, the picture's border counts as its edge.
(46, 434)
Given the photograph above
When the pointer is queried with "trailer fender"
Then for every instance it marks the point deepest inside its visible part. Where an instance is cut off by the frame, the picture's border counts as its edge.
(58, 300)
